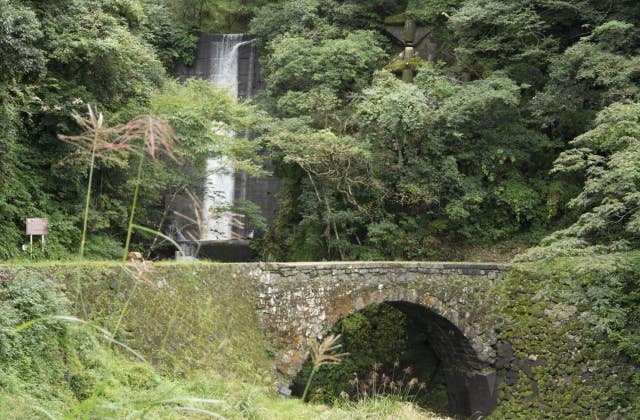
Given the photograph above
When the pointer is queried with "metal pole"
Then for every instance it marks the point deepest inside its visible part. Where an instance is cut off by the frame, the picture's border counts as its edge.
(31, 247)
(42, 236)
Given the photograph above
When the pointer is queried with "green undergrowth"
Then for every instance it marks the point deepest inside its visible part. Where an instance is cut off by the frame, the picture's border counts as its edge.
(568, 345)
(386, 356)
(179, 316)
(173, 345)
(94, 381)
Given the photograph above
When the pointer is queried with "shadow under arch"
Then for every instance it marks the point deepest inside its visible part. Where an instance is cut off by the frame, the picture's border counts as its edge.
(471, 383)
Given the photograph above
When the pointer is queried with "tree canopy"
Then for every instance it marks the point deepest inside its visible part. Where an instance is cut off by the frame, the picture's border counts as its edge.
(373, 167)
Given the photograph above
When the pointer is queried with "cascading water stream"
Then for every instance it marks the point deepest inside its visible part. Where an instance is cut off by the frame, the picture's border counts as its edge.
(220, 184)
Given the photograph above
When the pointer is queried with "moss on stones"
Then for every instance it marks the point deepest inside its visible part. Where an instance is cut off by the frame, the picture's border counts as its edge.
(556, 345)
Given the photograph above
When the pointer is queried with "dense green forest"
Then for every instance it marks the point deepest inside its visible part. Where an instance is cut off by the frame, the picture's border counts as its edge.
(518, 138)
(522, 127)
(506, 136)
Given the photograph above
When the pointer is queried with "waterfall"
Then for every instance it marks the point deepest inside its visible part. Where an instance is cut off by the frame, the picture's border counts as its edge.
(220, 182)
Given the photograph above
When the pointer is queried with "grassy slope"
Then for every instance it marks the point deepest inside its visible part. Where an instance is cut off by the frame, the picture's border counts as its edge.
(132, 389)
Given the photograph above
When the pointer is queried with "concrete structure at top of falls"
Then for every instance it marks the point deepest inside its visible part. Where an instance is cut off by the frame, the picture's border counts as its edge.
(230, 60)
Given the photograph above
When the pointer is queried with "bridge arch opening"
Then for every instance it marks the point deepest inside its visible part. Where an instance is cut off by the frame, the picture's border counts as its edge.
(404, 342)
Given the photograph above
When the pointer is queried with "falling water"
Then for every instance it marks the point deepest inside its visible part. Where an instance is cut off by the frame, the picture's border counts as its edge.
(220, 183)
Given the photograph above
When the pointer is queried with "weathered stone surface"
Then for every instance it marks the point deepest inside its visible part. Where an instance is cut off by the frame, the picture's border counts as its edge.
(311, 297)
(300, 302)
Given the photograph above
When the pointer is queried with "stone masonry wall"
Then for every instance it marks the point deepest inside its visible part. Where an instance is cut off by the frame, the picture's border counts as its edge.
(299, 302)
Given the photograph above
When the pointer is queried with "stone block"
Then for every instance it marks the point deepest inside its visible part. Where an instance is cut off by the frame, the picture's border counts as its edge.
(472, 394)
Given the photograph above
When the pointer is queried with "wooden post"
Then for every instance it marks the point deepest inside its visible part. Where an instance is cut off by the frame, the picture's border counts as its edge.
(37, 226)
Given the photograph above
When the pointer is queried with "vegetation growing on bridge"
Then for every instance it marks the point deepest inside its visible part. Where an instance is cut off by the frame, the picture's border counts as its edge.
(571, 329)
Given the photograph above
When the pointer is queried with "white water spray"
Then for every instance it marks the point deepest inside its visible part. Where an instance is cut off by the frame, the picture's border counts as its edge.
(220, 183)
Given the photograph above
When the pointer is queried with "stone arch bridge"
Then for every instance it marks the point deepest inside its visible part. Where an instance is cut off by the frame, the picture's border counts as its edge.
(300, 302)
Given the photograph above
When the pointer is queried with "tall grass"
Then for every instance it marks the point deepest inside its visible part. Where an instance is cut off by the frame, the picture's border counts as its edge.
(398, 384)
(323, 354)
(134, 389)
(143, 135)
(157, 138)
(98, 142)
(172, 400)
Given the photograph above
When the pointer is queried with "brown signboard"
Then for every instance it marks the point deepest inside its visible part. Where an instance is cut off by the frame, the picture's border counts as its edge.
(37, 226)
